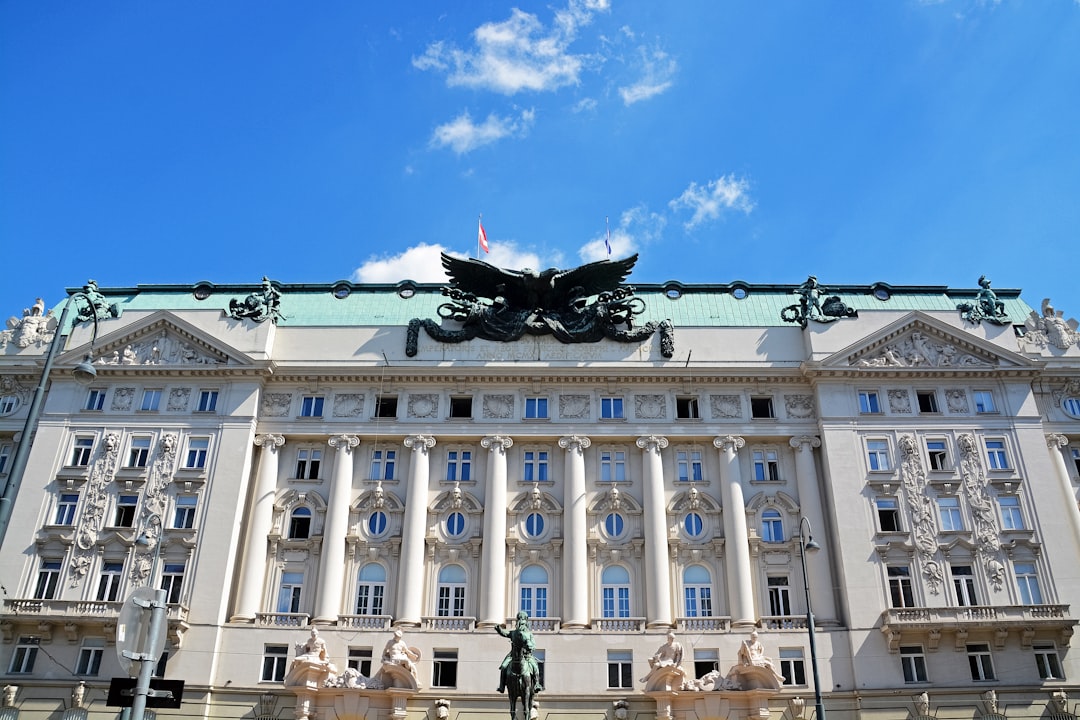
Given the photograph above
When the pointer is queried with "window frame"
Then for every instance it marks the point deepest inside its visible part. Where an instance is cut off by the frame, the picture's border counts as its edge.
(1011, 513)
(612, 407)
(766, 465)
(772, 526)
(997, 454)
(762, 407)
(370, 591)
(125, 510)
(47, 580)
(792, 662)
(697, 592)
(460, 407)
(950, 516)
(110, 582)
(91, 653)
(883, 510)
(383, 463)
(196, 456)
(151, 400)
(984, 402)
(779, 594)
(687, 407)
(275, 662)
(24, 655)
(95, 399)
(172, 581)
(386, 407)
(290, 591)
(82, 451)
(444, 668)
(308, 462)
(612, 465)
(689, 465)
(877, 451)
(913, 664)
(139, 447)
(938, 458)
(901, 588)
(980, 662)
(869, 402)
(208, 400)
(964, 590)
(535, 465)
(927, 402)
(1028, 587)
(459, 464)
(620, 665)
(536, 407)
(66, 509)
(1047, 660)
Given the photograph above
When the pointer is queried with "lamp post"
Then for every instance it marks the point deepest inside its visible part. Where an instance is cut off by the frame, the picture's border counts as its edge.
(806, 543)
(155, 637)
(84, 373)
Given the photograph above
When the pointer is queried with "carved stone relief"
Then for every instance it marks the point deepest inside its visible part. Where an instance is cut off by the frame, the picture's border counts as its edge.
(154, 507)
(499, 407)
(122, 397)
(1051, 328)
(178, 399)
(726, 406)
(92, 519)
(899, 402)
(574, 407)
(35, 327)
(424, 405)
(348, 405)
(921, 509)
(799, 407)
(11, 387)
(276, 404)
(918, 350)
(650, 407)
(165, 349)
(984, 521)
(956, 401)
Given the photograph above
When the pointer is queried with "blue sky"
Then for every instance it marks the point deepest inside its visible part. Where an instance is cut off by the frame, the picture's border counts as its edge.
(906, 142)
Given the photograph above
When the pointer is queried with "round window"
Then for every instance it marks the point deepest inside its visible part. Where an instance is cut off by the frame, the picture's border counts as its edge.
(455, 524)
(202, 291)
(377, 523)
(1071, 406)
(534, 525)
(614, 524)
(342, 291)
(882, 293)
(694, 525)
(739, 293)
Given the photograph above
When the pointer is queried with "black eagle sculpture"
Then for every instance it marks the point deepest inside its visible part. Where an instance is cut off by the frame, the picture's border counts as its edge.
(584, 304)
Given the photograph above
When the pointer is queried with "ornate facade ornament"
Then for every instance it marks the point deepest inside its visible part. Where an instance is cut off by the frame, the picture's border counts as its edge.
(155, 502)
(652, 443)
(799, 407)
(163, 349)
(122, 398)
(1059, 701)
(35, 327)
(575, 443)
(348, 405)
(956, 401)
(505, 305)
(1056, 441)
(574, 407)
(732, 442)
(269, 441)
(804, 442)
(899, 402)
(91, 520)
(263, 304)
(650, 407)
(812, 307)
(986, 306)
(423, 405)
(1051, 328)
(178, 399)
(421, 443)
(913, 478)
(343, 443)
(497, 443)
(276, 404)
(498, 407)
(919, 351)
(726, 406)
(984, 521)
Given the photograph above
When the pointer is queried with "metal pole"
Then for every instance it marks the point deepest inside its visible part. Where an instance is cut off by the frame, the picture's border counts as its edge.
(820, 712)
(146, 669)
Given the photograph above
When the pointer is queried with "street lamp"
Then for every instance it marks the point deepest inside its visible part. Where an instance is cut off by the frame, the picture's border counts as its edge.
(806, 543)
(84, 374)
(148, 655)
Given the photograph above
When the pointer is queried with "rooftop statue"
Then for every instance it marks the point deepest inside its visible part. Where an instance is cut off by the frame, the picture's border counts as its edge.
(36, 326)
(812, 307)
(505, 305)
(93, 304)
(986, 306)
(1051, 328)
(263, 304)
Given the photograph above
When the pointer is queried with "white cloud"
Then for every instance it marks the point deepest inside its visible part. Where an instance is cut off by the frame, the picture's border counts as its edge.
(658, 70)
(462, 135)
(636, 227)
(589, 104)
(710, 201)
(422, 263)
(517, 54)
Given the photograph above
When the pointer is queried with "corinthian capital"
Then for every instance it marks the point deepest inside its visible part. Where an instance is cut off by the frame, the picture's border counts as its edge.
(269, 441)
(419, 443)
(502, 443)
(652, 443)
(734, 442)
(574, 443)
(343, 442)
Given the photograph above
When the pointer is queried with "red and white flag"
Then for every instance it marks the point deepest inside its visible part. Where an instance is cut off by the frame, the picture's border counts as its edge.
(481, 237)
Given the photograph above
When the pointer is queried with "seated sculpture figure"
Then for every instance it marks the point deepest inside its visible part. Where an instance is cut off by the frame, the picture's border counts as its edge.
(667, 657)
(397, 652)
(752, 655)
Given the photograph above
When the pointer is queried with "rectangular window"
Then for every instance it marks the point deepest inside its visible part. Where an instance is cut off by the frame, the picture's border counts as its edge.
(984, 402)
(913, 661)
(980, 662)
(1028, 583)
(888, 514)
(139, 453)
(686, 408)
(311, 406)
(766, 466)
(868, 402)
(360, 660)
(996, 457)
(22, 660)
(927, 401)
(612, 466)
(761, 407)
(110, 580)
(5, 454)
(698, 600)
(615, 601)
(151, 399)
(386, 406)
(65, 509)
(705, 662)
(459, 465)
(611, 408)
(964, 585)
(461, 407)
(95, 399)
(369, 598)
(1011, 517)
(90, 653)
(444, 668)
(877, 455)
(620, 669)
(949, 514)
(937, 454)
(47, 580)
(81, 452)
(184, 516)
(172, 581)
(1076, 459)
(198, 447)
(536, 408)
(688, 464)
(792, 666)
(536, 466)
(308, 461)
(125, 511)
(534, 600)
(900, 591)
(207, 401)
(1047, 661)
(275, 660)
(292, 586)
(382, 464)
(779, 596)
(450, 601)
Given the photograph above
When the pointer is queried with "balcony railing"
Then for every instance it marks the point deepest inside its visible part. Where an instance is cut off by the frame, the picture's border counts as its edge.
(293, 620)
(365, 622)
(448, 623)
(784, 622)
(703, 624)
(974, 615)
(619, 625)
(63, 609)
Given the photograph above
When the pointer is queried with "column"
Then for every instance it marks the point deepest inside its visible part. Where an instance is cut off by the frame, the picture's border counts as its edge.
(810, 505)
(331, 574)
(1054, 443)
(260, 520)
(736, 538)
(657, 570)
(575, 610)
(410, 593)
(493, 554)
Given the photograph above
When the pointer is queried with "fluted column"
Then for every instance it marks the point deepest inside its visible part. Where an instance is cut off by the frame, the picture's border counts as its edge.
(493, 554)
(810, 505)
(736, 538)
(410, 596)
(1054, 443)
(331, 574)
(259, 523)
(657, 570)
(575, 610)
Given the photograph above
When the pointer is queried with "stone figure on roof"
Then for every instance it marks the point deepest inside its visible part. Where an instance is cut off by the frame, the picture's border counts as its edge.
(812, 307)
(263, 304)
(1051, 328)
(986, 306)
(93, 305)
(36, 326)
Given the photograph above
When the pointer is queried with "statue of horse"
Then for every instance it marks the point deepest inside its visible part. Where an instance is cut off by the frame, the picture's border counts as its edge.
(519, 685)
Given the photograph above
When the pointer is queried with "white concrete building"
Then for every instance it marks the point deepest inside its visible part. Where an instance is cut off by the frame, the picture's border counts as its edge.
(321, 471)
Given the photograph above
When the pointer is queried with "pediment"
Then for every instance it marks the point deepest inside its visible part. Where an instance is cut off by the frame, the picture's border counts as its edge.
(920, 342)
(160, 340)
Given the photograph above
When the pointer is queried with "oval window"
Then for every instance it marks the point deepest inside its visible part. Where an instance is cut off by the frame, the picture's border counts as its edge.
(614, 524)
(377, 523)
(455, 524)
(534, 525)
(693, 524)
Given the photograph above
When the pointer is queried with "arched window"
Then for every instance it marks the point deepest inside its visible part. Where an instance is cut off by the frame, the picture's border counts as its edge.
(370, 589)
(697, 591)
(772, 526)
(451, 599)
(300, 524)
(615, 592)
(534, 591)
(377, 523)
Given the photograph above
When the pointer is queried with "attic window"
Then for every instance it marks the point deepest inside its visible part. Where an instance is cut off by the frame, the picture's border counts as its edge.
(739, 293)
(882, 293)
(673, 292)
(342, 291)
(202, 291)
